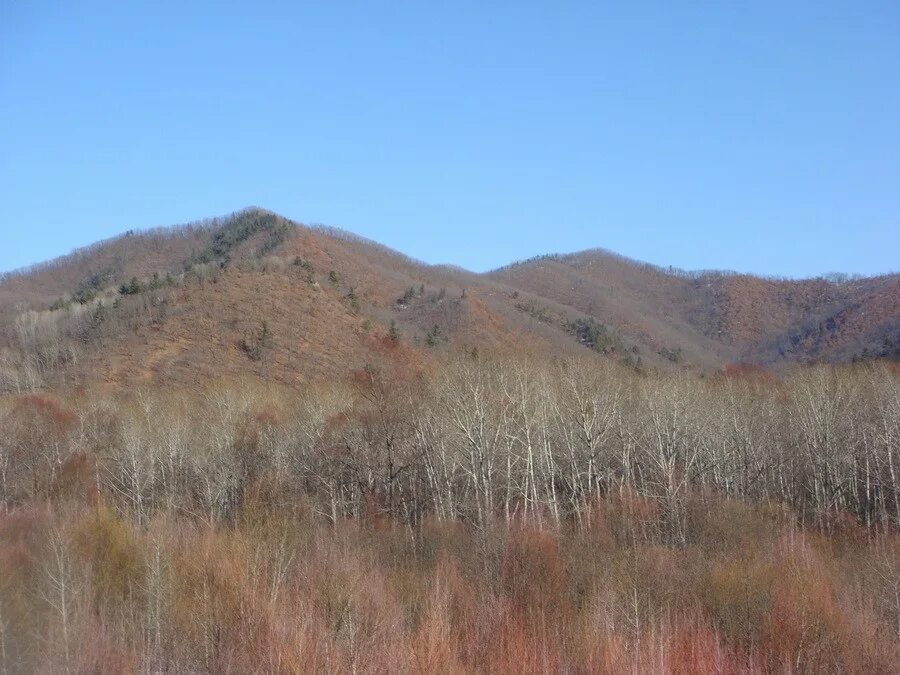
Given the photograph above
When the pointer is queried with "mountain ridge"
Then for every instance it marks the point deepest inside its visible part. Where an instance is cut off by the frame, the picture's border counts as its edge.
(254, 292)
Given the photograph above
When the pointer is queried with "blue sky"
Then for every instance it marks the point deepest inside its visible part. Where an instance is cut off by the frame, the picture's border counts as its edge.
(755, 136)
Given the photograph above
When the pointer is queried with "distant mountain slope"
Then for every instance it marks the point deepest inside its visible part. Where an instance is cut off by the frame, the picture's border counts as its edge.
(643, 303)
(110, 261)
(255, 293)
(715, 317)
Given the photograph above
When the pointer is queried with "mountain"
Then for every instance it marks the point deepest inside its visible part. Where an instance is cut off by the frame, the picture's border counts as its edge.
(720, 317)
(255, 293)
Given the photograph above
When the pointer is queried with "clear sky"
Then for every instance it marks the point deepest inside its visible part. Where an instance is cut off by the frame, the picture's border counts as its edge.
(756, 136)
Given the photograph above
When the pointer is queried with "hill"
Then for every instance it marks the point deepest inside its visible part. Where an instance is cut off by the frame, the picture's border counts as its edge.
(255, 293)
(711, 318)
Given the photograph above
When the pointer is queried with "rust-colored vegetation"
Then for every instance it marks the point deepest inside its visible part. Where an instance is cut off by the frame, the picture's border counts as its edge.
(485, 516)
(255, 293)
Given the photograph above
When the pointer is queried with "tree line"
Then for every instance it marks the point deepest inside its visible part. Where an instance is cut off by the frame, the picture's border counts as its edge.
(480, 440)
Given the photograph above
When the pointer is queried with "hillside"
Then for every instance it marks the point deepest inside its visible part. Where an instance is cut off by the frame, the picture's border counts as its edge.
(251, 293)
(716, 317)
(255, 293)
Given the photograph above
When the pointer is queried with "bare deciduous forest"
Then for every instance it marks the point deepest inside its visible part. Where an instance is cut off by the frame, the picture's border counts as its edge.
(490, 515)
